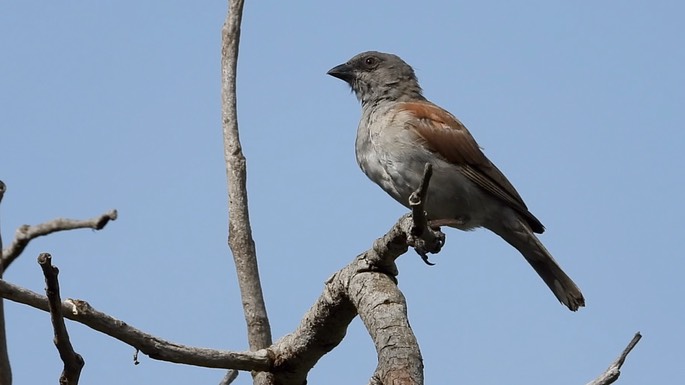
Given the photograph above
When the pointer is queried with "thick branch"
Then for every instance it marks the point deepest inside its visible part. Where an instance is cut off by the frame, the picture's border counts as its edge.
(73, 362)
(366, 287)
(239, 231)
(383, 309)
(27, 233)
(5, 367)
(614, 370)
(154, 347)
(322, 328)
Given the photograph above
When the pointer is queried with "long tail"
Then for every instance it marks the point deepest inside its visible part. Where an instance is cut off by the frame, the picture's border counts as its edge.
(518, 234)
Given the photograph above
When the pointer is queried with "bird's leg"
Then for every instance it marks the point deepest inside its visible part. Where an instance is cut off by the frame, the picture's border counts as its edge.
(424, 238)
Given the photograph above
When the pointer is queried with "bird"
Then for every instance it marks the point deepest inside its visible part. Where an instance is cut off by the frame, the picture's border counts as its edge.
(401, 131)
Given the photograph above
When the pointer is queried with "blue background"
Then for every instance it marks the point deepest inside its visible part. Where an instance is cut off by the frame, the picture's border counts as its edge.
(117, 105)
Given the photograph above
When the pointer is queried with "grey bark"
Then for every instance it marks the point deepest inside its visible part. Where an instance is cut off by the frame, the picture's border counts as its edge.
(239, 231)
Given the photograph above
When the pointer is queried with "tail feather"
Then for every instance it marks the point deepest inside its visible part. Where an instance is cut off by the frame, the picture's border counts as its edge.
(519, 235)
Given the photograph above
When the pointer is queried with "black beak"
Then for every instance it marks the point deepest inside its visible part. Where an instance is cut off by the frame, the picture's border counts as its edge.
(344, 72)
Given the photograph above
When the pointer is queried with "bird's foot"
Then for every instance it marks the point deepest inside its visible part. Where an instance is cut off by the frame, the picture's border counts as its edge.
(429, 240)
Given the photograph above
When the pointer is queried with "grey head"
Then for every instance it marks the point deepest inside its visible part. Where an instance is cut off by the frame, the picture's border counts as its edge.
(376, 76)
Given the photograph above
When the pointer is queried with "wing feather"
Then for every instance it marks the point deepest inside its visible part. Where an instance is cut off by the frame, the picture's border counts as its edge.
(447, 136)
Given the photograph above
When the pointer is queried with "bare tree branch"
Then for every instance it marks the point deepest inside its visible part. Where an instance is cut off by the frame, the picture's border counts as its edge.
(154, 347)
(23, 236)
(73, 362)
(239, 232)
(27, 233)
(383, 309)
(322, 328)
(614, 370)
(5, 367)
(367, 287)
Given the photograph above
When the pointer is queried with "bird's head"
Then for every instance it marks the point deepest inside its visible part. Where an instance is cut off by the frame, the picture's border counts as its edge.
(376, 76)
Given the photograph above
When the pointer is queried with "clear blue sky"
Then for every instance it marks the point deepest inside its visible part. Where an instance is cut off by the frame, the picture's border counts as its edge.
(117, 105)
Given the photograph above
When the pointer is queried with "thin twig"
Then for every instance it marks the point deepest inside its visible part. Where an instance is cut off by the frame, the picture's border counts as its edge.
(73, 362)
(27, 233)
(614, 370)
(230, 376)
(5, 367)
(239, 231)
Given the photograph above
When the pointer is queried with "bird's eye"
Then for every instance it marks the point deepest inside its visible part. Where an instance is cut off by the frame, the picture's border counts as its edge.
(370, 61)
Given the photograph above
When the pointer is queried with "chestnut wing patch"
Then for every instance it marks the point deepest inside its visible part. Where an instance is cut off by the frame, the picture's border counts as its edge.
(447, 136)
